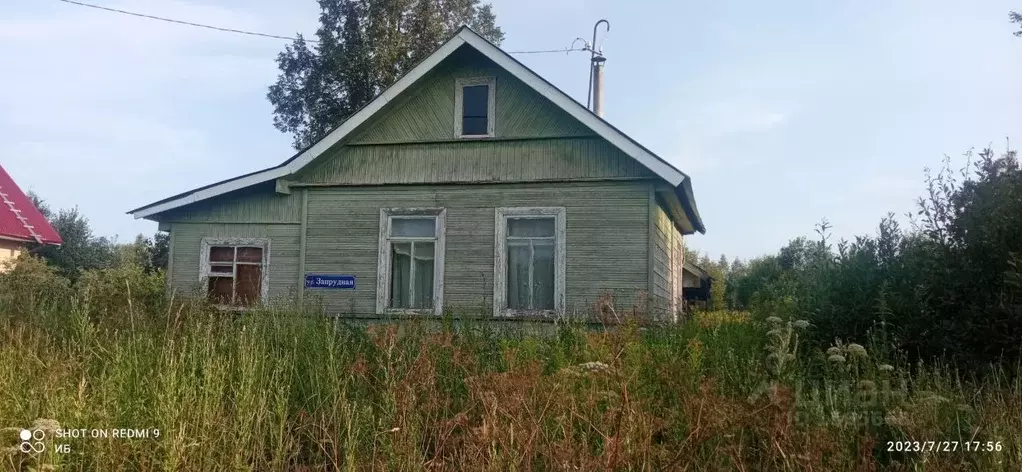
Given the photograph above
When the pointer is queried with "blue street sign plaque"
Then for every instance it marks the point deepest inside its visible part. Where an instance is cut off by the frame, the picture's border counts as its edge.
(330, 281)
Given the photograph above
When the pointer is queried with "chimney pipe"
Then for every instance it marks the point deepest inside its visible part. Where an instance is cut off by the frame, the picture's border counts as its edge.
(596, 72)
(598, 61)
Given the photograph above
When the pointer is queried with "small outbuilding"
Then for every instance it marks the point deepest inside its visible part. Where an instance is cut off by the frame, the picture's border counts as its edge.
(696, 284)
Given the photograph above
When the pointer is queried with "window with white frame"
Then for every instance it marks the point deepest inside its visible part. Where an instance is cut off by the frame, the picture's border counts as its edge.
(234, 271)
(411, 261)
(529, 270)
(474, 107)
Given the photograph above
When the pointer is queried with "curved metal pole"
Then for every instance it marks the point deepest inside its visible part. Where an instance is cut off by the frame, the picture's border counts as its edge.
(593, 51)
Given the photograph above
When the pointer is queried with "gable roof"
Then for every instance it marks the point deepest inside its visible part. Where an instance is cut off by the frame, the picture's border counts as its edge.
(464, 36)
(20, 220)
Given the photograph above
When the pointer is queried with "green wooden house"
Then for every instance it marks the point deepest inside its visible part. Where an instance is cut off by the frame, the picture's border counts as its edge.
(471, 185)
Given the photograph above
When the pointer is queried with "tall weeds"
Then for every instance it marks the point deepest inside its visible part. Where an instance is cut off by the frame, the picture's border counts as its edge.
(281, 390)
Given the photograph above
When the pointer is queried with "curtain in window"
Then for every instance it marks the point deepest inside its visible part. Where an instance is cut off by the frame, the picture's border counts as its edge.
(401, 273)
(518, 260)
(530, 263)
(423, 275)
(543, 276)
(403, 280)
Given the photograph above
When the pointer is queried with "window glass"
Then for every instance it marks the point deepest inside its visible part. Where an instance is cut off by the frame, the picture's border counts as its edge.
(518, 260)
(410, 251)
(413, 227)
(247, 288)
(234, 275)
(530, 263)
(221, 290)
(250, 254)
(475, 107)
(221, 254)
(543, 276)
(400, 275)
(423, 275)
(530, 227)
(222, 269)
(411, 274)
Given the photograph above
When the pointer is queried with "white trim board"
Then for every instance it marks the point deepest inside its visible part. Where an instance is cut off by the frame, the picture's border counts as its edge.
(465, 36)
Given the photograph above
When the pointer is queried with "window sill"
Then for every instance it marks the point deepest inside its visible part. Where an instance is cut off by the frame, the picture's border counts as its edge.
(409, 312)
(475, 136)
(235, 308)
(526, 314)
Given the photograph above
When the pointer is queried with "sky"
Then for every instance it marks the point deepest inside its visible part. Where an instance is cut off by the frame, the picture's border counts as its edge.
(782, 113)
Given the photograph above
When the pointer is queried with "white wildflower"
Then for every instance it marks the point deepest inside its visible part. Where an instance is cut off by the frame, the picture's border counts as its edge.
(856, 350)
(775, 332)
(886, 367)
(836, 358)
(801, 324)
(833, 351)
(594, 366)
(867, 385)
(773, 319)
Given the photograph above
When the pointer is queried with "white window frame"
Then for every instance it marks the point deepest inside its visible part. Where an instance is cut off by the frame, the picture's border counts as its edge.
(205, 267)
(500, 258)
(459, 98)
(384, 261)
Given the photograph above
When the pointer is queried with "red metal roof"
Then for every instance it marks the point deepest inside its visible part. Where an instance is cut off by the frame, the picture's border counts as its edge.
(19, 218)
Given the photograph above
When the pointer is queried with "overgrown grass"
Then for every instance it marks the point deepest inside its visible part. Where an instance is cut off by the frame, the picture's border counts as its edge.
(281, 390)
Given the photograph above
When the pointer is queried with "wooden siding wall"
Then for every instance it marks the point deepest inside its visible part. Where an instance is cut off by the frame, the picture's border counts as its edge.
(606, 239)
(259, 204)
(426, 111)
(284, 248)
(678, 270)
(477, 161)
(413, 139)
(668, 259)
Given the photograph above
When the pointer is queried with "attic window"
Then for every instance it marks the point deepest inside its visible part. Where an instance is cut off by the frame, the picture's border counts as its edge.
(474, 105)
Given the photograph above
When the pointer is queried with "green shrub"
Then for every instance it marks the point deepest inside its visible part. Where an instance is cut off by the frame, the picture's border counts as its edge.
(122, 293)
(951, 284)
(29, 287)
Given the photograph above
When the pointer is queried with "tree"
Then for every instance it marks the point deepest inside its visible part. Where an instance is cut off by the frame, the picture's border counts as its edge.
(363, 47)
(40, 204)
(159, 251)
(148, 254)
(81, 249)
(1016, 18)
